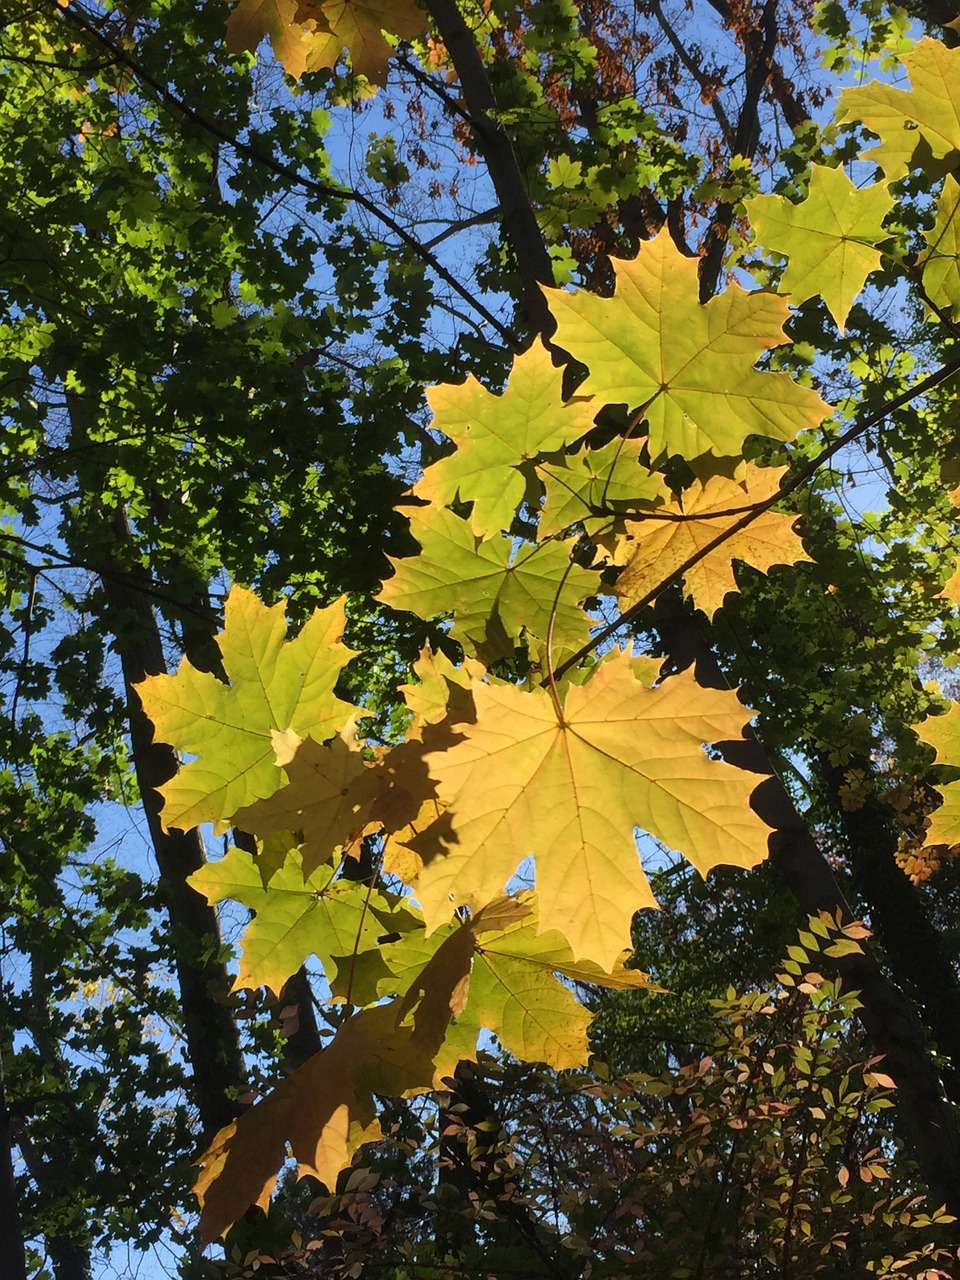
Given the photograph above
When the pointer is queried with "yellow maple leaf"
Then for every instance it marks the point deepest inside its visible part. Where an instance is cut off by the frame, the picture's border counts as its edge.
(234, 729)
(441, 689)
(941, 260)
(358, 26)
(651, 550)
(943, 734)
(307, 35)
(690, 368)
(328, 797)
(496, 434)
(917, 128)
(522, 783)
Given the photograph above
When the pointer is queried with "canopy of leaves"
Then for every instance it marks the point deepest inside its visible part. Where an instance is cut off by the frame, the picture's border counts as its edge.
(687, 369)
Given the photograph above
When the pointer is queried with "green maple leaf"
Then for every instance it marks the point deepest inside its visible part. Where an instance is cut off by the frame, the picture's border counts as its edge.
(523, 782)
(830, 238)
(943, 734)
(594, 485)
(688, 368)
(919, 128)
(941, 262)
(235, 729)
(491, 588)
(495, 435)
(339, 921)
(514, 991)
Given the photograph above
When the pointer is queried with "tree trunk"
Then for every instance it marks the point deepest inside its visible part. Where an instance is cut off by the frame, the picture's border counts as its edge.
(213, 1045)
(212, 1041)
(11, 1234)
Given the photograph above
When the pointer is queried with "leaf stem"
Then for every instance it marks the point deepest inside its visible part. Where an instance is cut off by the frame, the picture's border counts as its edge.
(356, 942)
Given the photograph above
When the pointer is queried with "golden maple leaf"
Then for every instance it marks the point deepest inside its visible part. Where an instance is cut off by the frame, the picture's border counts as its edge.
(569, 791)
(651, 550)
(307, 35)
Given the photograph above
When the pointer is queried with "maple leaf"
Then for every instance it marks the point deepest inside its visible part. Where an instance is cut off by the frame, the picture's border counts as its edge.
(275, 686)
(298, 916)
(513, 989)
(951, 589)
(359, 26)
(941, 261)
(323, 1112)
(328, 797)
(442, 689)
(830, 238)
(292, 41)
(919, 128)
(651, 550)
(326, 1109)
(307, 35)
(495, 435)
(690, 368)
(943, 734)
(515, 994)
(592, 486)
(522, 783)
(493, 589)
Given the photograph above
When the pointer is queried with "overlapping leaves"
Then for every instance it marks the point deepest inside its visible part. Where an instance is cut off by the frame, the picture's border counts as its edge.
(308, 35)
(546, 505)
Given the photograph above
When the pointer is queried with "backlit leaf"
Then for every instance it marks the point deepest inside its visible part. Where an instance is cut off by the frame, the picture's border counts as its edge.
(943, 734)
(496, 434)
(292, 41)
(830, 238)
(592, 486)
(276, 685)
(296, 916)
(652, 549)
(919, 127)
(941, 262)
(690, 368)
(328, 797)
(492, 589)
(307, 35)
(520, 783)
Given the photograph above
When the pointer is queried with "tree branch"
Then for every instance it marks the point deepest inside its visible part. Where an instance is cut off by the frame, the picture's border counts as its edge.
(519, 220)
